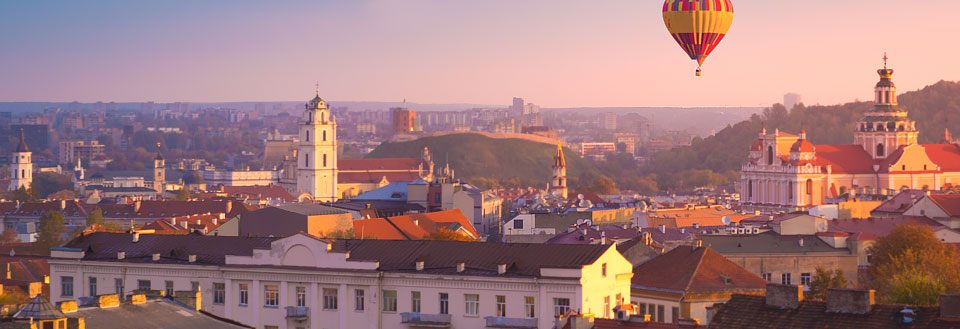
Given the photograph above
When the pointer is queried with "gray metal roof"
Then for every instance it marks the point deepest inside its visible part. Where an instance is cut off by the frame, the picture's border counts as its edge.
(768, 243)
(158, 314)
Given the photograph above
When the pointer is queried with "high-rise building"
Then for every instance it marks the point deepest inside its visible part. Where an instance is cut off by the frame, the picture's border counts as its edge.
(608, 121)
(70, 151)
(21, 168)
(517, 105)
(791, 99)
(317, 152)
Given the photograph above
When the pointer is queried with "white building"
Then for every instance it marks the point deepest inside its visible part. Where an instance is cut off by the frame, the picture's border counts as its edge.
(240, 177)
(303, 282)
(317, 152)
(21, 168)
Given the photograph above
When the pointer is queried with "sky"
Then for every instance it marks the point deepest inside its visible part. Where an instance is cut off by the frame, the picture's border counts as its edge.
(556, 53)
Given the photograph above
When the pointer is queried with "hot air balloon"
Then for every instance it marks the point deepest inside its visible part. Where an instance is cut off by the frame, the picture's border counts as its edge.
(698, 25)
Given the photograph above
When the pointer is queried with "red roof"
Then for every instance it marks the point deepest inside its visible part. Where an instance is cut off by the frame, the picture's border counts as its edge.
(410, 164)
(950, 203)
(947, 156)
(845, 158)
(878, 227)
(690, 269)
(376, 228)
(412, 226)
(803, 145)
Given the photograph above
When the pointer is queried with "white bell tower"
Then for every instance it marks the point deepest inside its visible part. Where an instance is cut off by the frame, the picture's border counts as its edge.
(21, 168)
(317, 152)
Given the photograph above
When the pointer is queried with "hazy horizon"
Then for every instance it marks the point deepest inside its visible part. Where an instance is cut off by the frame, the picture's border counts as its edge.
(555, 53)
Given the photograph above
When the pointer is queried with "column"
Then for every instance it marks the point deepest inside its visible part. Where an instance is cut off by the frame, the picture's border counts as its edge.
(283, 302)
(255, 302)
(229, 301)
(314, 302)
(342, 305)
(545, 313)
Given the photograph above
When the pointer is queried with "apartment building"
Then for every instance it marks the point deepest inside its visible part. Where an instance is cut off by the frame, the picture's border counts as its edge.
(304, 282)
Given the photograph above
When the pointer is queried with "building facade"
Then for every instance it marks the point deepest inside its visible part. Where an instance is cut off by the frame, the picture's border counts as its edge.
(21, 168)
(317, 152)
(786, 172)
(303, 282)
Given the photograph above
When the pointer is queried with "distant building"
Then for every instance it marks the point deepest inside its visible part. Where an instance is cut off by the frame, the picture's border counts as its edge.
(791, 99)
(608, 121)
(21, 168)
(37, 135)
(597, 150)
(70, 151)
(404, 120)
(787, 172)
(517, 105)
(558, 184)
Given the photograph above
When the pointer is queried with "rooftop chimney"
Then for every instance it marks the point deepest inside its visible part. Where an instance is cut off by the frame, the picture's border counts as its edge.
(663, 228)
(419, 265)
(416, 222)
(698, 243)
(603, 237)
(501, 269)
(9, 273)
(156, 256)
(461, 266)
(950, 305)
(784, 296)
(850, 301)
(696, 225)
(192, 258)
(121, 255)
(63, 204)
(800, 242)
(136, 236)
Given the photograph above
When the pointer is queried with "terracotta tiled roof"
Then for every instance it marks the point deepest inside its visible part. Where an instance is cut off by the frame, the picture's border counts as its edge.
(410, 164)
(412, 226)
(803, 145)
(845, 158)
(950, 203)
(69, 208)
(879, 227)
(450, 219)
(376, 228)
(690, 269)
(900, 202)
(171, 208)
(947, 156)
(743, 311)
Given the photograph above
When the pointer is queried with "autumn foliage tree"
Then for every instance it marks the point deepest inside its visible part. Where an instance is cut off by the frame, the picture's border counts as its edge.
(51, 230)
(911, 266)
(824, 280)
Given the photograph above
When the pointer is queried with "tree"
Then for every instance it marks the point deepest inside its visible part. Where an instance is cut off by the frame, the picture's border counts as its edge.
(445, 234)
(9, 236)
(824, 280)
(51, 230)
(22, 194)
(181, 195)
(47, 183)
(95, 217)
(343, 234)
(911, 266)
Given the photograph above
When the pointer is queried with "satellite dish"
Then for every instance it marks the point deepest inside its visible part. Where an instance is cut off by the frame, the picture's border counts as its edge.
(726, 220)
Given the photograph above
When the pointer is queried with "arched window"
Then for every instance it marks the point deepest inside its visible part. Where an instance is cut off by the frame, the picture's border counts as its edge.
(306, 159)
(809, 187)
(324, 135)
(309, 116)
(770, 155)
(324, 160)
(308, 135)
(790, 190)
(750, 188)
(23, 173)
(880, 150)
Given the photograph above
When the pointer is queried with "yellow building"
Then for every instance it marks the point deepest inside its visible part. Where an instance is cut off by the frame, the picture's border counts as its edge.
(786, 172)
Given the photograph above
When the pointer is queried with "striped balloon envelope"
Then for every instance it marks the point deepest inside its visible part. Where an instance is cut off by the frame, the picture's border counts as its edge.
(698, 25)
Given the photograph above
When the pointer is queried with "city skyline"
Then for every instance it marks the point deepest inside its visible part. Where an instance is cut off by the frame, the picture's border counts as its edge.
(557, 53)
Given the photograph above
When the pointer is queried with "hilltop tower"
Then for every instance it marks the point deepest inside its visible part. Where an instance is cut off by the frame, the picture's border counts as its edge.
(317, 152)
(159, 179)
(887, 127)
(558, 185)
(21, 168)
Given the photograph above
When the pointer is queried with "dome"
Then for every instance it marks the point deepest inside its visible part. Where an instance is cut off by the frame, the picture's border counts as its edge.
(803, 145)
(316, 103)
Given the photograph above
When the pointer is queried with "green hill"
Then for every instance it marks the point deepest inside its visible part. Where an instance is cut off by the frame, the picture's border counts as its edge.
(933, 107)
(490, 161)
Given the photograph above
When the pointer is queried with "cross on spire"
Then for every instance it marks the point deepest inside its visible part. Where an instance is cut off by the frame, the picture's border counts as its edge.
(885, 60)
(317, 88)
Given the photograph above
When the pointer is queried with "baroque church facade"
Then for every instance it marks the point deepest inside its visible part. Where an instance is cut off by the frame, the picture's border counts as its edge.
(786, 172)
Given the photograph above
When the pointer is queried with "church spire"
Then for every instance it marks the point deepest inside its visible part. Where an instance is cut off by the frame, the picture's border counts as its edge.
(559, 161)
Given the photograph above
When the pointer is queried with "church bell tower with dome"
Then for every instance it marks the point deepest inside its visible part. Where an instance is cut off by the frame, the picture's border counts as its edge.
(317, 152)
(887, 127)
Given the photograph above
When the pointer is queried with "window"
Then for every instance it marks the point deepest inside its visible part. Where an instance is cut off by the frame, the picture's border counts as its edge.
(168, 288)
(652, 309)
(749, 188)
(472, 304)
(244, 294)
(118, 287)
(790, 190)
(660, 313)
(879, 150)
(770, 155)
(301, 296)
(271, 296)
(93, 286)
(530, 307)
(389, 300)
(561, 306)
(767, 277)
(143, 285)
(810, 187)
(324, 160)
(444, 303)
(324, 135)
(306, 159)
(785, 278)
(66, 286)
(517, 224)
(329, 298)
(219, 295)
(358, 299)
(643, 309)
(606, 306)
(415, 301)
(501, 305)
(603, 270)
(805, 279)
(308, 135)
(674, 314)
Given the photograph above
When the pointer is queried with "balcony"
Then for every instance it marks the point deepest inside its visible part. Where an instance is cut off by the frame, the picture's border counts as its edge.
(422, 320)
(512, 323)
(298, 313)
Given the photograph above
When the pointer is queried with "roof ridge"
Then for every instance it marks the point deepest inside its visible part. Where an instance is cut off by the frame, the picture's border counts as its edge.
(394, 225)
(696, 269)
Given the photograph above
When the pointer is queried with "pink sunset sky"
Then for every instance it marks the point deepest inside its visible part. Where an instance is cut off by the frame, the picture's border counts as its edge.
(556, 53)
